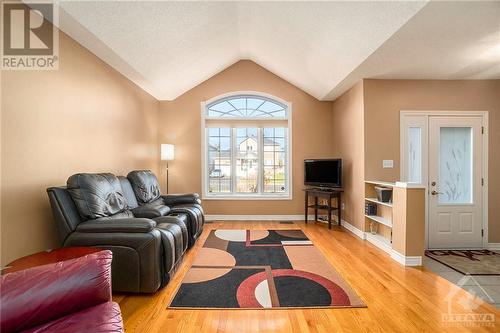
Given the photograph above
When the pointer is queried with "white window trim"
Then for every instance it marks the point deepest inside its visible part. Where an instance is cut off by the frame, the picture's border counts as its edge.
(261, 196)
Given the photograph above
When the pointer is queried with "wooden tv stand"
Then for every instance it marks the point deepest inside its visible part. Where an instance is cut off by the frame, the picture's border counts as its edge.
(328, 194)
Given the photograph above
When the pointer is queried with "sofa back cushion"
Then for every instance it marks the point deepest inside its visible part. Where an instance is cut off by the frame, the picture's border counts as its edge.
(145, 185)
(64, 210)
(128, 191)
(96, 195)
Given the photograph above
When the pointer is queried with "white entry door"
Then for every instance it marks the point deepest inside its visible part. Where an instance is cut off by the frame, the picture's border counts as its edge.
(455, 194)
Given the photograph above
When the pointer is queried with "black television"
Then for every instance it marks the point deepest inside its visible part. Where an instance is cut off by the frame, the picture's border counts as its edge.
(323, 173)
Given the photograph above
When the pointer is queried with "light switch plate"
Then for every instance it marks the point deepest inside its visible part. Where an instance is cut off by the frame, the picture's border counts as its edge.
(388, 164)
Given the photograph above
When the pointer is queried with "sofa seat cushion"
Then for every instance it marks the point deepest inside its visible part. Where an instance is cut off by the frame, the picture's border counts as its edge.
(96, 195)
(194, 222)
(181, 221)
(145, 185)
(151, 210)
(105, 317)
(172, 233)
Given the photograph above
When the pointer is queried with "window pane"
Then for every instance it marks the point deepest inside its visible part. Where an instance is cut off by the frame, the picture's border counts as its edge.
(280, 132)
(274, 160)
(225, 132)
(219, 160)
(415, 155)
(225, 143)
(455, 165)
(247, 160)
(213, 132)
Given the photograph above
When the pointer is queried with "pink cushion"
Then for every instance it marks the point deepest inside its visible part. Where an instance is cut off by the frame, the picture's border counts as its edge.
(41, 294)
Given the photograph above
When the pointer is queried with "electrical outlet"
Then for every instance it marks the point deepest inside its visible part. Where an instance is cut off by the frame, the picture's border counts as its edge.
(343, 206)
(387, 164)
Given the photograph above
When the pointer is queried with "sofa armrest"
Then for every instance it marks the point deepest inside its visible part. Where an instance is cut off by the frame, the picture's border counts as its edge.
(151, 211)
(40, 294)
(181, 199)
(128, 225)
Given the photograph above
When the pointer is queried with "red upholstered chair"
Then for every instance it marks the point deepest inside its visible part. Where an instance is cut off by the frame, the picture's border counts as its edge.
(67, 296)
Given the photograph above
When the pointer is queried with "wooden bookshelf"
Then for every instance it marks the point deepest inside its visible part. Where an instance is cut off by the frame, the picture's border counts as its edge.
(383, 219)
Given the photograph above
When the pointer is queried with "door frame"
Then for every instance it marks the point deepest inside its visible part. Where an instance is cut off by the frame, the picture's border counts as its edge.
(425, 152)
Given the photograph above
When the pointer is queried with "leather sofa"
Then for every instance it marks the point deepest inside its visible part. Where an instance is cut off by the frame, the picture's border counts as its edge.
(148, 242)
(68, 296)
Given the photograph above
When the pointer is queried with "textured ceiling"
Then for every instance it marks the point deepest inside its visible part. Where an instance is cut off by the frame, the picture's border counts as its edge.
(450, 41)
(323, 48)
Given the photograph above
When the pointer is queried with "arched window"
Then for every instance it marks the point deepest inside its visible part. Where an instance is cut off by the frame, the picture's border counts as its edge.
(247, 106)
(246, 147)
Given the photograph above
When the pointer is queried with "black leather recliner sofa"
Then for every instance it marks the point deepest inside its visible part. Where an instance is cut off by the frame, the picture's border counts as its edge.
(148, 239)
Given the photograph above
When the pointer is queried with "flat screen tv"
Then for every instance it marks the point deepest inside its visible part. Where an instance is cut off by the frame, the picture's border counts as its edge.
(323, 173)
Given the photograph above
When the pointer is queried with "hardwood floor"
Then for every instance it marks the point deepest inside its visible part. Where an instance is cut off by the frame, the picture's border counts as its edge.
(399, 299)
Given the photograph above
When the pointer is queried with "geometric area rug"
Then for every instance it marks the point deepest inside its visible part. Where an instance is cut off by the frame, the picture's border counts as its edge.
(473, 262)
(259, 269)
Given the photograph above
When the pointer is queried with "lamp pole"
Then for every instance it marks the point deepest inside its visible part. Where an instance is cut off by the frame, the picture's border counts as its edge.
(167, 154)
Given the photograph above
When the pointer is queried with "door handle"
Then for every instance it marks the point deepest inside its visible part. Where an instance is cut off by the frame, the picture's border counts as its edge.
(436, 193)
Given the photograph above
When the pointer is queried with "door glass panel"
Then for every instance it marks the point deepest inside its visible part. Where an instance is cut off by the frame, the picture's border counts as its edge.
(455, 165)
(415, 155)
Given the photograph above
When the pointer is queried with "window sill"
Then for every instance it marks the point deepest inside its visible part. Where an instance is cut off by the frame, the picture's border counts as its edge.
(247, 197)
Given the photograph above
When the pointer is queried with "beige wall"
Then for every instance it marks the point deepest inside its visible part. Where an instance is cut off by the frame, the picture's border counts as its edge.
(385, 98)
(348, 139)
(180, 124)
(85, 117)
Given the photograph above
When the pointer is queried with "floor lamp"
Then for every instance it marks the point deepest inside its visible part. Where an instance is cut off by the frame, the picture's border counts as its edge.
(167, 154)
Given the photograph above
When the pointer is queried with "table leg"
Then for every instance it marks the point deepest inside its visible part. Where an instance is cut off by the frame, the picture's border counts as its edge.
(315, 209)
(306, 207)
(329, 212)
(339, 202)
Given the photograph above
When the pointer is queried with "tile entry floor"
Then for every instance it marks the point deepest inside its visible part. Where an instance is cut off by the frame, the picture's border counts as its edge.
(489, 283)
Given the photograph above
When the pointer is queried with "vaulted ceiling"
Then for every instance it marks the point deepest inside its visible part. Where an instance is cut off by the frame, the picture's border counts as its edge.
(323, 48)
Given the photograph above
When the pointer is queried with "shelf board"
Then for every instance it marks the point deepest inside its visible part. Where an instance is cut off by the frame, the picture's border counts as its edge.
(321, 207)
(375, 200)
(381, 183)
(380, 219)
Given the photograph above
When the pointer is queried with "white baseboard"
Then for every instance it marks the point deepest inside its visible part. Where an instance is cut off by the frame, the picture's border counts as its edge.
(406, 260)
(386, 247)
(353, 229)
(494, 246)
(257, 217)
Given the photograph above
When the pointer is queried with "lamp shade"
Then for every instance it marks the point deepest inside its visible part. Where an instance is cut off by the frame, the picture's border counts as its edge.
(167, 152)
